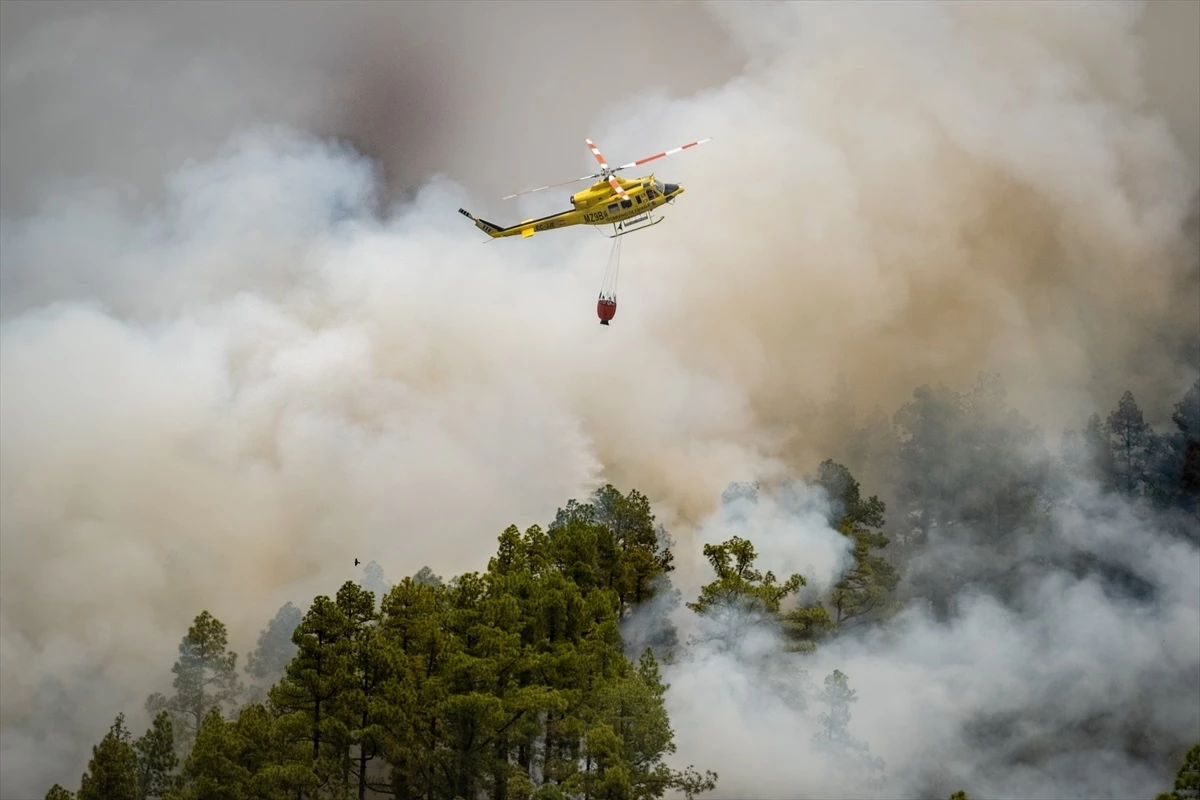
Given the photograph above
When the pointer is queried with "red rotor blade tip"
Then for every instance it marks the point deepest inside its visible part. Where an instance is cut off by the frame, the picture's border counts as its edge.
(596, 152)
(663, 154)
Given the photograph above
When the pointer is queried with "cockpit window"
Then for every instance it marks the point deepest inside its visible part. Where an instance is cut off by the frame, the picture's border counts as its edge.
(659, 185)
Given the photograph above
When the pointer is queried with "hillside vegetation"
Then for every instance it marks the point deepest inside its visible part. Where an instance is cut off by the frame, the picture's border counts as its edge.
(526, 680)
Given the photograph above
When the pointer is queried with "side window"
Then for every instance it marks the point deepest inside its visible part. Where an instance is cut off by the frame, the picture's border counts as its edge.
(639, 199)
(626, 204)
(612, 209)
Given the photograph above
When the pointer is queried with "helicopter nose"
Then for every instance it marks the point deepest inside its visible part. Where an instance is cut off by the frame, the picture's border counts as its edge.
(673, 189)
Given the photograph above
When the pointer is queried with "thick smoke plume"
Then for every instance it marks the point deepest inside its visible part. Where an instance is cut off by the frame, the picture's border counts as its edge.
(246, 339)
(1032, 698)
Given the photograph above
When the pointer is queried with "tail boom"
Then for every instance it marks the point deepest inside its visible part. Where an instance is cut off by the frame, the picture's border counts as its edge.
(491, 229)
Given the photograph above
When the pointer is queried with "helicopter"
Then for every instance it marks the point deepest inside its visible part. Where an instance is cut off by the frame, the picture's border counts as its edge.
(627, 204)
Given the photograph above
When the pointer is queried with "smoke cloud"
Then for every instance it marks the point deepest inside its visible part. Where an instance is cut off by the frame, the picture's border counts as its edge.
(246, 339)
(1027, 699)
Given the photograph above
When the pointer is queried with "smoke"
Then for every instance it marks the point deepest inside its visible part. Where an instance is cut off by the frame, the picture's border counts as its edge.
(221, 386)
(1035, 698)
(121, 92)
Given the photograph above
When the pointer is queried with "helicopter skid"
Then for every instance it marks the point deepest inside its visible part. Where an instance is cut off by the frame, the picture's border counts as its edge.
(640, 222)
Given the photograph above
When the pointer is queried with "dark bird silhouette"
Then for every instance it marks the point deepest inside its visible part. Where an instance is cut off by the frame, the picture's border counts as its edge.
(356, 562)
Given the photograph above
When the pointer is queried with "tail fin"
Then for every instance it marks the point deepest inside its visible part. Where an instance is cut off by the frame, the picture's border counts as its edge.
(491, 229)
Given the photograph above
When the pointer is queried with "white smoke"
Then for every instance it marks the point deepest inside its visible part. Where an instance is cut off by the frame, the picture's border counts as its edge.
(1069, 655)
(221, 399)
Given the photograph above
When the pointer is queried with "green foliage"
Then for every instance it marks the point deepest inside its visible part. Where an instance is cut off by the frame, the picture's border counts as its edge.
(1187, 779)
(739, 587)
(359, 706)
(509, 683)
(742, 596)
(514, 684)
(806, 625)
(211, 769)
(112, 772)
(612, 542)
(59, 793)
(846, 498)
(156, 758)
(205, 676)
(865, 586)
(960, 795)
(305, 697)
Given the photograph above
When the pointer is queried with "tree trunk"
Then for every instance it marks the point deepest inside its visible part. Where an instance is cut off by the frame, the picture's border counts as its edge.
(524, 756)
(500, 781)
(400, 783)
(316, 731)
(549, 754)
(362, 761)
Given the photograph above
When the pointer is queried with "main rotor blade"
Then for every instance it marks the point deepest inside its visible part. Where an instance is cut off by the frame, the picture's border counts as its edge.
(612, 181)
(596, 152)
(605, 170)
(663, 154)
(552, 186)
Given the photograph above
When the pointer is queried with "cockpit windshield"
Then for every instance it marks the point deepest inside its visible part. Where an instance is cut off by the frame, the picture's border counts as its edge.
(659, 185)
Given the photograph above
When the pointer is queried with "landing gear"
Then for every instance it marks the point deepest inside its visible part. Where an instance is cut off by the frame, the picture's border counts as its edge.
(638, 223)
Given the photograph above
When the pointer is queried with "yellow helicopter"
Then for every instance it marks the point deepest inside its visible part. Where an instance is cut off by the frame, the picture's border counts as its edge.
(626, 204)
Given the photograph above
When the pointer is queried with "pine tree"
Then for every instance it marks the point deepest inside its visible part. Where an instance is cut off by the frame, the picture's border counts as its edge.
(369, 667)
(1187, 779)
(612, 542)
(156, 757)
(1132, 439)
(1175, 468)
(741, 596)
(112, 772)
(511, 683)
(738, 585)
(306, 696)
(409, 715)
(205, 676)
(865, 586)
(212, 770)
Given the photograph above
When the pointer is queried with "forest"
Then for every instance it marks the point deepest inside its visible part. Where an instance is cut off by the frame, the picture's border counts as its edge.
(541, 675)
